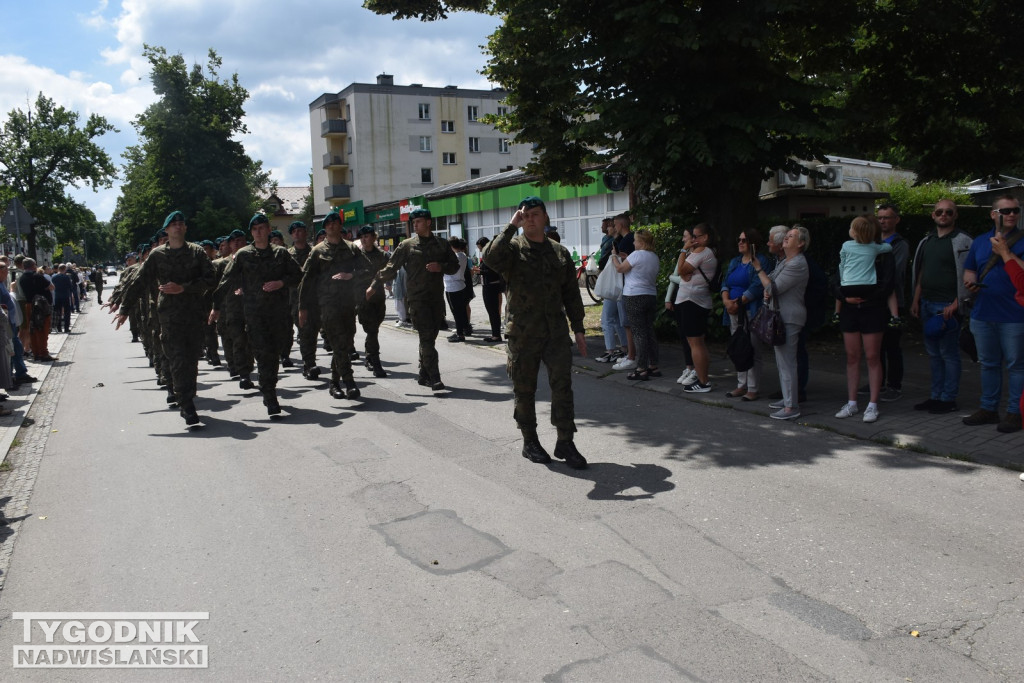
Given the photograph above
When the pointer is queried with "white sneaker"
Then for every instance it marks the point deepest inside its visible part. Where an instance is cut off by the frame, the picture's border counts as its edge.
(697, 388)
(691, 380)
(688, 376)
(870, 414)
(625, 364)
(849, 411)
(399, 323)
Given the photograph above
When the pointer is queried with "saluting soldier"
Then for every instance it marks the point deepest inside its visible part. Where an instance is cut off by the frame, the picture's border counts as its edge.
(427, 259)
(542, 291)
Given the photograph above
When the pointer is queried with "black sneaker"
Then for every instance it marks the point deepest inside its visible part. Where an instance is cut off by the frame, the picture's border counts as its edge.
(534, 452)
(928, 405)
(566, 450)
(698, 388)
(943, 407)
(608, 357)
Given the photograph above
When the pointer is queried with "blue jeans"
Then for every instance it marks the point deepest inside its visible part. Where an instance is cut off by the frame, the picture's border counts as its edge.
(612, 324)
(1000, 343)
(944, 355)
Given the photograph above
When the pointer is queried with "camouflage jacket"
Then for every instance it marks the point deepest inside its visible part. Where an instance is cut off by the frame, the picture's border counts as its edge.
(319, 289)
(188, 266)
(415, 253)
(250, 269)
(542, 287)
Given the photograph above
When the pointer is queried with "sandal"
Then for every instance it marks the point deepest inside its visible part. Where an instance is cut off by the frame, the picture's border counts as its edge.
(737, 392)
(641, 375)
(749, 397)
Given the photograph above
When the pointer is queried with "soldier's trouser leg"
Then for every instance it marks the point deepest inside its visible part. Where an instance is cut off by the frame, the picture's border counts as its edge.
(427, 318)
(307, 338)
(524, 359)
(371, 315)
(229, 352)
(210, 339)
(267, 327)
(183, 344)
(340, 326)
(243, 359)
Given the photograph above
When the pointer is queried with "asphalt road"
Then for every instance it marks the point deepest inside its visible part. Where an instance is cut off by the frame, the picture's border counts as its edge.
(402, 537)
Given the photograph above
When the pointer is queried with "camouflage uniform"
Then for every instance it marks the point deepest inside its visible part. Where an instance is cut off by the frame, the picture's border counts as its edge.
(424, 293)
(335, 301)
(231, 308)
(267, 320)
(372, 312)
(307, 332)
(182, 317)
(542, 291)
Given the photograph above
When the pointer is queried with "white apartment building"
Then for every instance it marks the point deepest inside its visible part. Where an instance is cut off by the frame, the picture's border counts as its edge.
(374, 143)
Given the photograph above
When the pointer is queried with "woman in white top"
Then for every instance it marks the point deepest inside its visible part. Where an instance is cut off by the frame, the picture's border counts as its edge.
(456, 293)
(696, 270)
(639, 295)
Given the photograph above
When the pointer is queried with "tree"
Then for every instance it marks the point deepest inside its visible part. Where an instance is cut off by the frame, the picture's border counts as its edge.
(694, 100)
(42, 153)
(188, 158)
(936, 86)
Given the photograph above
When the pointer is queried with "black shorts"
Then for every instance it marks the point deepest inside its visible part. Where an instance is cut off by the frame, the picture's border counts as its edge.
(693, 319)
(863, 319)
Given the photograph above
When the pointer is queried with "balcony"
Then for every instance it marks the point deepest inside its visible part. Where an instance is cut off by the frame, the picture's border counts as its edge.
(334, 161)
(332, 127)
(336, 192)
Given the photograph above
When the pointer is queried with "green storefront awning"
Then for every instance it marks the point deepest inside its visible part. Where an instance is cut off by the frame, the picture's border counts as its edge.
(392, 214)
(509, 197)
(353, 212)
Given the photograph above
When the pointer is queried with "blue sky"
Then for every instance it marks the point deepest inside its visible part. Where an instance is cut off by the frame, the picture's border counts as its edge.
(87, 56)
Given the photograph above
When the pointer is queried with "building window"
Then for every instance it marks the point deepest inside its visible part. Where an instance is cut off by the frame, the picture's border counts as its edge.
(474, 173)
(448, 158)
(474, 144)
(472, 111)
(351, 177)
(424, 143)
(503, 145)
(502, 111)
(447, 126)
(348, 112)
(426, 176)
(424, 111)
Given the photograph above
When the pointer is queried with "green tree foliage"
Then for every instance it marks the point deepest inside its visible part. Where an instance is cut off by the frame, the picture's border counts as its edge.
(189, 157)
(919, 199)
(935, 85)
(43, 152)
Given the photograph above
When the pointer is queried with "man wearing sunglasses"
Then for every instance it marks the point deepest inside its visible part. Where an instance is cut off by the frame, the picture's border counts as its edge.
(997, 320)
(938, 290)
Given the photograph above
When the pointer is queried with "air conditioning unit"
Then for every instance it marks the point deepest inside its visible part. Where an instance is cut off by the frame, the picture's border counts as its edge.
(832, 177)
(791, 179)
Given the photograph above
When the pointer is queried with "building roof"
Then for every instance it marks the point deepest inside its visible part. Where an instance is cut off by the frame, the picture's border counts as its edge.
(290, 199)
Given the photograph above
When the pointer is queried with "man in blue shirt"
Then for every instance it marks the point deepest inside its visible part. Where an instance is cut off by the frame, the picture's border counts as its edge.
(62, 299)
(997, 320)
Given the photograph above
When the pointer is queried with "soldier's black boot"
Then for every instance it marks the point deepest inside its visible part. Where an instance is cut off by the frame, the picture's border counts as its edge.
(534, 452)
(335, 389)
(566, 450)
(351, 390)
(172, 400)
(353, 355)
(373, 363)
(436, 384)
(135, 339)
(213, 358)
(310, 372)
(270, 401)
(286, 362)
(188, 411)
(423, 380)
(245, 382)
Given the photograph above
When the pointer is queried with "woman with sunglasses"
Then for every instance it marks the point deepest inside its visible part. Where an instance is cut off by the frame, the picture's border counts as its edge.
(742, 291)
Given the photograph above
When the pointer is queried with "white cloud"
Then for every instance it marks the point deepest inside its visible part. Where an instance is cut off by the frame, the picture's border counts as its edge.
(285, 54)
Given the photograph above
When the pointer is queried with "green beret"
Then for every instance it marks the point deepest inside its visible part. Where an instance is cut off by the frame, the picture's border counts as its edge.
(258, 219)
(531, 202)
(173, 216)
(367, 230)
(235, 234)
(276, 233)
(296, 225)
(319, 233)
(333, 216)
(207, 243)
(420, 213)
(160, 233)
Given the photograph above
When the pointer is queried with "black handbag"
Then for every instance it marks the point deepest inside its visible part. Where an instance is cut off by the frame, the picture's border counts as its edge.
(767, 325)
(740, 348)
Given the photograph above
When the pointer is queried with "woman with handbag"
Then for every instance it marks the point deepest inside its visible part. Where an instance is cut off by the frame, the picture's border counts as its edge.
(742, 290)
(784, 291)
